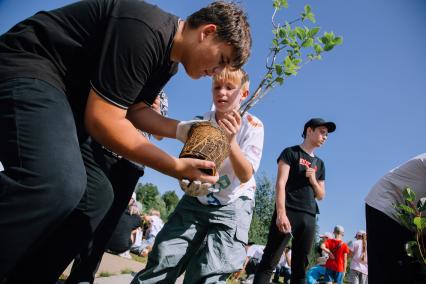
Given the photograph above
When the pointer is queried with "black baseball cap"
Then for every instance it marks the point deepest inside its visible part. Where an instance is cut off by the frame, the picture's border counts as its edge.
(315, 122)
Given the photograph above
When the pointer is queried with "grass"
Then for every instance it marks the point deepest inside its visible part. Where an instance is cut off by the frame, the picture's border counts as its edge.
(105, 274)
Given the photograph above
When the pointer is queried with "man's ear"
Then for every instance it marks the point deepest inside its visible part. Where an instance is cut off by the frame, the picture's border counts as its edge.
(207, 30)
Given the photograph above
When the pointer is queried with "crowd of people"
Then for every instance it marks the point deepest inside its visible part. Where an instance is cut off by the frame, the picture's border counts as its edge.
(79, 87)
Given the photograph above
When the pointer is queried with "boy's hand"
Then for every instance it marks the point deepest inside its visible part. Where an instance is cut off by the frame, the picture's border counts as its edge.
(231, 124)
(196, 188)
(310, 174)
(183, 128)
(283, 223)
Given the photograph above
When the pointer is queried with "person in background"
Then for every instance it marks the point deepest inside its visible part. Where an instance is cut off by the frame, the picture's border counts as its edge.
(358, 273)
(337, 250)
(388, 254)
(155, 224)
(300, 182)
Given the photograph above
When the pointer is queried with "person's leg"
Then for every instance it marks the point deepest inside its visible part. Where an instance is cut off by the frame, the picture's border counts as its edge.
(386, 249)
(272, 252)
(287, 275)
(224, 252)
(124, 177)
(329, 276)
(58, 249)
(44, 177)
(304, 234)
(175, 244)
(339, 277)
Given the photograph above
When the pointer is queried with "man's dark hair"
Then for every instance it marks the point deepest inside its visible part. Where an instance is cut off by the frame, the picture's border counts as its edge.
(232, 27)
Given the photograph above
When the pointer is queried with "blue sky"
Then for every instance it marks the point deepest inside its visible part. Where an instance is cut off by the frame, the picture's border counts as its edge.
(372, 87)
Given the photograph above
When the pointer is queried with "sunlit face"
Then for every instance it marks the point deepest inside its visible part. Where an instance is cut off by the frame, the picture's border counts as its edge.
(318, 136)
(227, 95)
(206, 56)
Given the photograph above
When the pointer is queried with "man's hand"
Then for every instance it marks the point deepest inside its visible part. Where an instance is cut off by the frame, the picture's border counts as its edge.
(183, 128)
(283, 223)
(196, 188)
(231, 124)
(190, 169)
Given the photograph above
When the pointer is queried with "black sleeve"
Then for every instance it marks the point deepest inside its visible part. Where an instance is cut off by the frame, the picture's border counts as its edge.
(321, 174)
(128, 56)
(286, 156)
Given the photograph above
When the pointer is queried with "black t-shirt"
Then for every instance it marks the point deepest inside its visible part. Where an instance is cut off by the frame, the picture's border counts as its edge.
(120, 239)
(299, 192)
(119, 47)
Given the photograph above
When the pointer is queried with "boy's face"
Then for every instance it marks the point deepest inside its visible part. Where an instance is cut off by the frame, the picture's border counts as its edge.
(205, 55)
(227, 95)
(318, 136)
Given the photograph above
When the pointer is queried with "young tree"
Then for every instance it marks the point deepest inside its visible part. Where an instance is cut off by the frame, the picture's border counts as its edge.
(265, 203)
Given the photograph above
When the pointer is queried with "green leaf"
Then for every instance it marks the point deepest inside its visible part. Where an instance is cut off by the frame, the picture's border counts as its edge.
(406, 209)
(410, 248)
(324, 40)
(307, 9)
(408, 194)
(278, 69)
(311, 17)
(318, 48)
(338, 40)
(282, 32)
(421, 204)
(296, 61)
(328, 47)
(275, 42)
(301, 34)
(308, 42)
(280, 80)
(313, 31)
(420, 223)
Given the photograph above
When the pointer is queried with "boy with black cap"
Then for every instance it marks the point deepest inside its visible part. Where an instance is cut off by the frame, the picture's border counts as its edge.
(300, 181)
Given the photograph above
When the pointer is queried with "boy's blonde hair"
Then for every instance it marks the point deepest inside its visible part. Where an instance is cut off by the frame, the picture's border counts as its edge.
(238, 76)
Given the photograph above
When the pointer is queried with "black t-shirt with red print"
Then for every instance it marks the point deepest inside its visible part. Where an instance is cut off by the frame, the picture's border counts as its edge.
(121, 48)
(299, 192)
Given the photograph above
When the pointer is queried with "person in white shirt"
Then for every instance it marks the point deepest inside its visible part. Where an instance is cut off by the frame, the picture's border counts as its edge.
(206, 235)
(359, 268)
(388, 261)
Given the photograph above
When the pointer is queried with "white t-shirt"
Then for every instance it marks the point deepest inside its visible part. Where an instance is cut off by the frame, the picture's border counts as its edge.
(250, 140)
(356, 263)
(256, 251)
(283, 260)
(388, 190)
(155, 227)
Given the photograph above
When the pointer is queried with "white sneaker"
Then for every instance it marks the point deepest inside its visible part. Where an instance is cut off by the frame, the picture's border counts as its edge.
(126, 254)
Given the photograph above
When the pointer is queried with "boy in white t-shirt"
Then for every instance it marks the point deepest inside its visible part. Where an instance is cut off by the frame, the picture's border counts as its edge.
(205, 236)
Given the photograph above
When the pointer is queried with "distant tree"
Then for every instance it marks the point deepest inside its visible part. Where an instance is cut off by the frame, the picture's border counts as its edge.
(171, 200)
(265, 204)
(149, 196)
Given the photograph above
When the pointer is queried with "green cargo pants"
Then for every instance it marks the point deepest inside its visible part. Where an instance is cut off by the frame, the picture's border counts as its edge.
(206, 242)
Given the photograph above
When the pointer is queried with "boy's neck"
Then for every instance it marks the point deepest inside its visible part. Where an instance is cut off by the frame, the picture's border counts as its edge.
(219, 115)
(307, 147)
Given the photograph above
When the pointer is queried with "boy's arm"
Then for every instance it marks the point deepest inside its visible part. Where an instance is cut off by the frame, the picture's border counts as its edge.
(109, 125)
(317, 185)
(282, 221)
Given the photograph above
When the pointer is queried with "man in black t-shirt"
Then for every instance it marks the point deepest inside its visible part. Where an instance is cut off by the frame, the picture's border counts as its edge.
(93, 68)
(300, 181)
